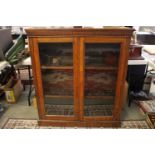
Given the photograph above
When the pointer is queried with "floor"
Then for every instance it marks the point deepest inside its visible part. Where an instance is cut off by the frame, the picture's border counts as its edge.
(22, 110)
(132, 113)
(19, 109)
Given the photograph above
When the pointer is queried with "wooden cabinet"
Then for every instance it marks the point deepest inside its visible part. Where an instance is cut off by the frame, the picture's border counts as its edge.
(79, 75)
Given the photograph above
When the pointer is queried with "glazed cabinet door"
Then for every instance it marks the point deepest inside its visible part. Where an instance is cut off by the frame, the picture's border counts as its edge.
(56, 77)
(102, 74)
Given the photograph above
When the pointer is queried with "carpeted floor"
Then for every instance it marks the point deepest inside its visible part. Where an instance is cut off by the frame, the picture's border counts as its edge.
(32, 124)
(2, 112)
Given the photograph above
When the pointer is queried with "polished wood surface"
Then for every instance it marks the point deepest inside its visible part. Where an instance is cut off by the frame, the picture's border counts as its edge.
(79, 37)
(45, 32)
(90, 123)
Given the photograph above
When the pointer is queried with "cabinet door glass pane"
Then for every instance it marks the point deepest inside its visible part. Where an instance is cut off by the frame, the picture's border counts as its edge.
(56, 54)
(101, 66)
(57, 82)
(57, 78)
(58, 106)
(97, 54)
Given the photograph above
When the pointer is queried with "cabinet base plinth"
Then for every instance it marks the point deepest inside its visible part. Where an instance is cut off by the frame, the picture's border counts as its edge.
(53, 123)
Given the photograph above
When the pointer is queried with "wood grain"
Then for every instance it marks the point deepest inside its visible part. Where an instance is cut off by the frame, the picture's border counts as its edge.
(43, 32)
(90, 123)
(79, 37)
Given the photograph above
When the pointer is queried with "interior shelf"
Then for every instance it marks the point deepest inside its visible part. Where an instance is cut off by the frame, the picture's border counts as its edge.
(56, 67)
(58, 96)
(109, 68)
(88, 97)
(99, 97)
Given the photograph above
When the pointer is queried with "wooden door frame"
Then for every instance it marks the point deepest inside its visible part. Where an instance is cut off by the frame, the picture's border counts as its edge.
(124, 44)
(38, 76)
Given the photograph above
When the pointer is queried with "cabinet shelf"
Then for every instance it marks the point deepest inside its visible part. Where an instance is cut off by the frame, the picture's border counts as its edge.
(88, 97)
(58, 96)
(99, 97)
(88, 68)
(57, 67)
(108, 68)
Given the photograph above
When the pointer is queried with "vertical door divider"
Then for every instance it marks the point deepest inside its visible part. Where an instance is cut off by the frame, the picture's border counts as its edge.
(76, 76)
(81, 77)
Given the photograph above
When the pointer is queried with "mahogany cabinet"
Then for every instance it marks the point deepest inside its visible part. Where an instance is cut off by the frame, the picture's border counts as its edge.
(79, 75)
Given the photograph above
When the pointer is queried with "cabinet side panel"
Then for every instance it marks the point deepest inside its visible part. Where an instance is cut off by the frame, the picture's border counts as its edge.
(31, 49)
(123, 61)
(36, 75)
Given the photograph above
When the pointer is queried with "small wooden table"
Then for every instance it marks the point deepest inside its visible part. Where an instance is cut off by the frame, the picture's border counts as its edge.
(23, 65)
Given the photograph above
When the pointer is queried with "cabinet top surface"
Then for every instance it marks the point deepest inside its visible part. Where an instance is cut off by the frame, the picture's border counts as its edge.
(108, 31)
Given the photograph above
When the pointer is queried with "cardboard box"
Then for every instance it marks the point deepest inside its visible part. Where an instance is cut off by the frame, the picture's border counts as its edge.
(13, 90)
